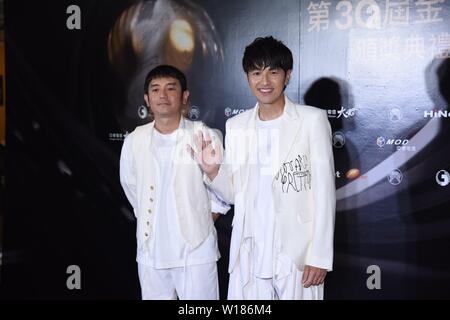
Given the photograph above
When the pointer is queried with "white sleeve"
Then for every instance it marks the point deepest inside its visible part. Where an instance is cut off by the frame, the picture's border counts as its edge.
(223, 182)
(217, 204)
(320, 253)
(128, 172)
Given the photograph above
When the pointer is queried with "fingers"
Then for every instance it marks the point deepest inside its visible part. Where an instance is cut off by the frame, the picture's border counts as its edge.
(313, 276)
(316, 279)
(191, 151)
(212, 156)
(207, 137)
(204, 152)
(309, 281)
(198, 137)
(202, 140)
(322, 278)
(306, 276)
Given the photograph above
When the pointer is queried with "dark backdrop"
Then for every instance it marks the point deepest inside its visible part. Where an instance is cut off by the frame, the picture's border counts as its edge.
(379, 68)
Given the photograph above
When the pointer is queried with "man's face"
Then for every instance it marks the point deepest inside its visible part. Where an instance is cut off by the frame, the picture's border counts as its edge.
(267, 85)
(165, 98)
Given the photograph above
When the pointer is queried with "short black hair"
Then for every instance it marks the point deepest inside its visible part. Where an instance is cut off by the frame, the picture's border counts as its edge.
(267, 52)
(163, 71)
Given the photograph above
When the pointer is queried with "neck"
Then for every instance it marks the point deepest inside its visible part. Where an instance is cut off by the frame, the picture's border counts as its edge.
(167, 125)
(271, 111)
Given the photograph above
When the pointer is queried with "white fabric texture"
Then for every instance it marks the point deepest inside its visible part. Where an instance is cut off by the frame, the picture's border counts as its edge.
(167, 248)
(197, 282)
(264, 219)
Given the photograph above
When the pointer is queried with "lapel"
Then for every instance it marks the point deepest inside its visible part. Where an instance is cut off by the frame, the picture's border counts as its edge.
(149, 151)
(289, 131)
(291, 123)
(251, 150)
(150, 135)
(184, 128)
(178, 155)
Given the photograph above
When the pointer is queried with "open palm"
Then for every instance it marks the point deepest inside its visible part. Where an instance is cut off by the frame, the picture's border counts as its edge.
(208, 157)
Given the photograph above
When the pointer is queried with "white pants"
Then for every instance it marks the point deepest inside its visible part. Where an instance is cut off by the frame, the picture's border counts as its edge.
(197, 282)
(286, 284)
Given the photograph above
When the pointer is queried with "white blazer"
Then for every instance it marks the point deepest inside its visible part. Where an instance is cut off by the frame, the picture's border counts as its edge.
(303, 183)
(138, 177)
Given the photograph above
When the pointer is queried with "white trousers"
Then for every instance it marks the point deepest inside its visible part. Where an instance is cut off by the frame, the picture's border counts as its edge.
(285, 285)
(197, 282)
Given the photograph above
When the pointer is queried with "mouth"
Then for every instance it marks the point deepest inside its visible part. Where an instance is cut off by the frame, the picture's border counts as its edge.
(265, 90)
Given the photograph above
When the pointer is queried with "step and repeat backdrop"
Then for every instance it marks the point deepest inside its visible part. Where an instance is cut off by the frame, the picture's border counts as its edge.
(75, 72)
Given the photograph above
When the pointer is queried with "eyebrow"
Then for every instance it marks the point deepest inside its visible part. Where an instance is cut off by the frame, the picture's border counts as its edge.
(262, 69)
(168, 84)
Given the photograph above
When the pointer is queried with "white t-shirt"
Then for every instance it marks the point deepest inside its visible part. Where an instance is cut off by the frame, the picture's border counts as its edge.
(264, 222)
(167, 248)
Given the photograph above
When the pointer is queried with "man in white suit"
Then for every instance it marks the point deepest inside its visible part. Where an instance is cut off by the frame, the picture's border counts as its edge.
(278, 171)
(176, 238)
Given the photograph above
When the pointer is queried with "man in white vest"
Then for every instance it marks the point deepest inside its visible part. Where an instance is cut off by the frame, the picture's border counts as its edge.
(176, 238)
(278, 171)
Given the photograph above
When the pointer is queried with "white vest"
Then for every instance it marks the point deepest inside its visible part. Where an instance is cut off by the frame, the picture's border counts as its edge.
(191, 197)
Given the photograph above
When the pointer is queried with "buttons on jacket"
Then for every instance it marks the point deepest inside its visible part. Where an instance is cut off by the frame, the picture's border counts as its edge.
(150, 212)
(149, 231)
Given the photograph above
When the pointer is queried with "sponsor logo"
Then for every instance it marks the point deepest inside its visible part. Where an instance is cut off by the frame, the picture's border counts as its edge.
(443, 178)
(143, 112)
(338, 139)
(381, 141)
(395, 177)
(395, 114)
(346, 113)
(436, 114)
(113, 136)
(194, 113)
(401, 144)
(229, 112)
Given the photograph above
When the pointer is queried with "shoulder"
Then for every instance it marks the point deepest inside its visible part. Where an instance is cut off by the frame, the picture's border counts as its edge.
(139, 133)
(310, 111)
(142, 129)
(240, 119)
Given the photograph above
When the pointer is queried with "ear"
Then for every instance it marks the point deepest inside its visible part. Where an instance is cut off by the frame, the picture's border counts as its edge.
(288, 77)
(185, 97)
(146, 100)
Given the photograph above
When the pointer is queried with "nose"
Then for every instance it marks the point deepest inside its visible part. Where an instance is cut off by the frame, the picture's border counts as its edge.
(265, 77)
(162, 94)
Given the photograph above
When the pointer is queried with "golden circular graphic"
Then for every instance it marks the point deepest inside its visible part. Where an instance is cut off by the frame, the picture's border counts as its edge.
(182, 35)
(180, 44)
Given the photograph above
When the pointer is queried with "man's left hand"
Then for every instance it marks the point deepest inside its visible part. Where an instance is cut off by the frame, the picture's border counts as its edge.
(313, 276)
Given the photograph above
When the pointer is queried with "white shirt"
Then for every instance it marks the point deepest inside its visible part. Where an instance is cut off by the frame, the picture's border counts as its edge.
(167, 248)
(264, 222)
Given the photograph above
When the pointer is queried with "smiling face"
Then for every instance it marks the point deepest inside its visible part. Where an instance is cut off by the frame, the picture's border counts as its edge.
(268, 85)
(165, 97)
